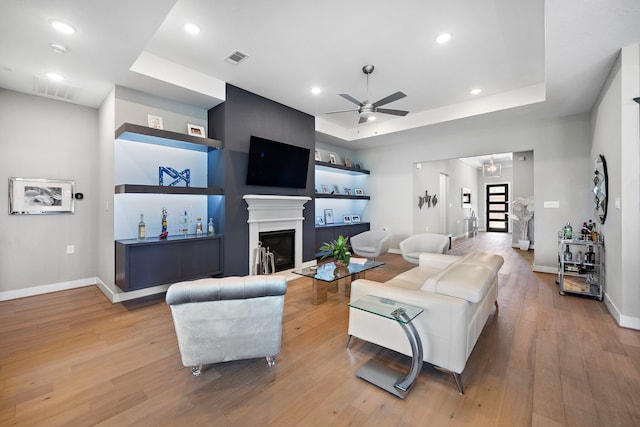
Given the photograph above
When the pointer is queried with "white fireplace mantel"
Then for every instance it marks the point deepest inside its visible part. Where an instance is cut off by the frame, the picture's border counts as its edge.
(274, 213)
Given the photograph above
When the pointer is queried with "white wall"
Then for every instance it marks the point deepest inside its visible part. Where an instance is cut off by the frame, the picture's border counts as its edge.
(561, 171)
(616, 132)
(45, 138)
(427, 178)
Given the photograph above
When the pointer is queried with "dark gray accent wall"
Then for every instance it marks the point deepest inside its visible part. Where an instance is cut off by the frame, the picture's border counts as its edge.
(244, 114)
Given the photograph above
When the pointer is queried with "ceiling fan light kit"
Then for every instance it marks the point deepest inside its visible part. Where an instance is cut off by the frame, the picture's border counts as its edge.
(367, 110)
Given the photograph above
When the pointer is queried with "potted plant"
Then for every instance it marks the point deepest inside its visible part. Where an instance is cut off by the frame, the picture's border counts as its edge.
(339, 249)
(523, 212)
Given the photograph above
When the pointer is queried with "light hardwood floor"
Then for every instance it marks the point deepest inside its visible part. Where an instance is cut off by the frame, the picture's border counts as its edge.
(73, 358)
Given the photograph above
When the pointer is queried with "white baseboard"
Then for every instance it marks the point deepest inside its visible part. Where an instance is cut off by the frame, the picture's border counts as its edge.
(114, 294)
(621, 320)
(46, 289)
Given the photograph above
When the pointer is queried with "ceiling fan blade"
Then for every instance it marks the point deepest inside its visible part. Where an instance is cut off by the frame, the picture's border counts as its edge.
(351, 98)
(341, 111)
(390, 98)
(390, 111)
(362, 120)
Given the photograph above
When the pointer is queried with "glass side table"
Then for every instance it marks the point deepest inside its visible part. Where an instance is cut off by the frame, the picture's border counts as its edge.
(378, 374)
(327, 273)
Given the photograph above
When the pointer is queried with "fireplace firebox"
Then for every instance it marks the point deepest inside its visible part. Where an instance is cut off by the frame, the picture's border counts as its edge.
(281, 244)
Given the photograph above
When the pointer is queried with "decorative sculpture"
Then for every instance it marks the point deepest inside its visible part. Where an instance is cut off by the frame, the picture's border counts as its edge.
(185, 176)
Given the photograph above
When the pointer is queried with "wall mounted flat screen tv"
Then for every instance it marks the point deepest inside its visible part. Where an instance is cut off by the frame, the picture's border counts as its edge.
(275, 164)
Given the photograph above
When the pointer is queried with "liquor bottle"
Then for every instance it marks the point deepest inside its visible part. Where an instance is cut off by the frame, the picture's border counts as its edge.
(199, 228)
(141, 228)
(211, 229)
(567, 254)
(568, 231)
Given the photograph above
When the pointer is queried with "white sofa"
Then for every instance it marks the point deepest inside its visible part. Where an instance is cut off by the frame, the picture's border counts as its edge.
(457, 294)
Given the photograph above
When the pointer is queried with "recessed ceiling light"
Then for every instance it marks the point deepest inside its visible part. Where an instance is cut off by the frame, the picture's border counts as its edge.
(63, 27)
(316, 90)
(58, 48)
(475, 91)
(192, 28)
(443, 38)
(54, 76)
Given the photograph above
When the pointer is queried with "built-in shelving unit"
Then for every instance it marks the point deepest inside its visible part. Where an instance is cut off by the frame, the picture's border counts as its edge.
(328, 232)
(155, 261)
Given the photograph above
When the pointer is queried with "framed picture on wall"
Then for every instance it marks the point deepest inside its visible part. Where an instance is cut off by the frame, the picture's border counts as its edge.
(328, 216)
(332, 158)
(346, 219)
(325, 188)
(318, 156)
(358, 192)
(336, 189)
(40, 196)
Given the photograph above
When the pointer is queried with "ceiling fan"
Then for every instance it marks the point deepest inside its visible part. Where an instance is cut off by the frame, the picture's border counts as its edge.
(366, 109)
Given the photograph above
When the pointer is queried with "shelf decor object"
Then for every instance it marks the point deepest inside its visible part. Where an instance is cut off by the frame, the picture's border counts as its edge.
(40, 196)
(178, 177)
(195, 130)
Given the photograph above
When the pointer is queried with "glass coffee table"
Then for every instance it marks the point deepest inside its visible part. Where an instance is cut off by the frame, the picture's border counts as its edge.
(386, 378)
(327, 273)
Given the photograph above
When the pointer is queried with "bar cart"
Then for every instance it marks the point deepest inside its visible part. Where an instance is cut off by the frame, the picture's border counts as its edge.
(580, 265)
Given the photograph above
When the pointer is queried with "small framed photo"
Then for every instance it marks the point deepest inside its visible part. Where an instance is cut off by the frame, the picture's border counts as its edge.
(346, 219)
(347, 162)
(325, 189)
(40, 196)
(319, 220)
(355, 218)
(332, 158)
(328, 216)
(154, 122)
(318, 156)
(347, 191)
(195, 130)
(359, 192)
(336, 189)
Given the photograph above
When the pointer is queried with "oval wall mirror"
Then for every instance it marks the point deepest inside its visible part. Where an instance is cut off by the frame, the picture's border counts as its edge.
(600, 189)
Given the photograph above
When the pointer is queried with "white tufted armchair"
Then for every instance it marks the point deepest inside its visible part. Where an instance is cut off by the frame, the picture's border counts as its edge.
(231, 318)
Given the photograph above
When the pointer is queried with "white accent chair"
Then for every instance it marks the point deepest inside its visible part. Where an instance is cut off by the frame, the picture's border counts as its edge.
(413, 246)
(371, 244)
(232, 318)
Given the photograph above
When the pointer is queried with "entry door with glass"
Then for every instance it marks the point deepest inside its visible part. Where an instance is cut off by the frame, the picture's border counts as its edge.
(497, 207)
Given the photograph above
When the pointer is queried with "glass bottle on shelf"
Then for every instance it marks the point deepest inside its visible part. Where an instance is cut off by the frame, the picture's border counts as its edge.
(141, 228)
(568, 231)
(590, 256)
(199, 228)
(211, 229)
(567, 254)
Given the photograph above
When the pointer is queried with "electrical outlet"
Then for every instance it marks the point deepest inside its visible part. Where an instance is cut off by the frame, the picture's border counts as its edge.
(71, 249)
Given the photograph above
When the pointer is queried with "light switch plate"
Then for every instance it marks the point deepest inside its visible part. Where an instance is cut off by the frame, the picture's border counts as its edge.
(552, 204)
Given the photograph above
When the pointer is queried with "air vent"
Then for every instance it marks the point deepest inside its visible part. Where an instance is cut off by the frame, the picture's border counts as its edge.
(236, 57)
(58, 90)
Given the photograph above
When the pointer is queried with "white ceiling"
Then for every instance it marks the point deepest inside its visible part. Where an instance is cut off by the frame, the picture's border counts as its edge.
(531, 57)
